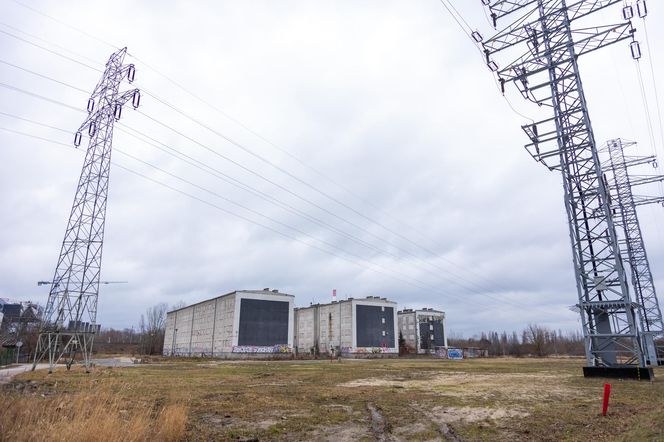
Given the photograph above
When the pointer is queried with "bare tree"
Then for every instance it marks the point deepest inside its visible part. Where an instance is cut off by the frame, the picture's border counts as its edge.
(538, 338)
(178, 305)
(152, 327)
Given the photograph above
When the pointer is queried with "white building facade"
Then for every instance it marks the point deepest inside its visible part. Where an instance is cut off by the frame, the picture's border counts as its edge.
(423, 330)
(350, 328)
(244, 323)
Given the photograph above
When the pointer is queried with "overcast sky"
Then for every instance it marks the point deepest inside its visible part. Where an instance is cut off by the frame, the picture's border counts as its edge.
(375, 126)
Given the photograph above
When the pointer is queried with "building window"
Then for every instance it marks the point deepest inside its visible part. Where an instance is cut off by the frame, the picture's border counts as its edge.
(382, 308)
(431, 327)
(432, 338)
(383, 332)
(382, 320)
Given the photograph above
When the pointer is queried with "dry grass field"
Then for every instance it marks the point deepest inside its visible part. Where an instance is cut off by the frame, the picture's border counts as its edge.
(391, 400)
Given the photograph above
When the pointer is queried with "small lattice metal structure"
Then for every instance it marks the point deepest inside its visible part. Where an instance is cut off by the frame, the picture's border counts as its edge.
(69, 323)
(541, 49)
(624, 202)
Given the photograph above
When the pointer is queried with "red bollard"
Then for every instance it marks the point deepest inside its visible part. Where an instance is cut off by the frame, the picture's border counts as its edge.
(607, 393)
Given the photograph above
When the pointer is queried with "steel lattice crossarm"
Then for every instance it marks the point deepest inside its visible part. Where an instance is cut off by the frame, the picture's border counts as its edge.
(525, 27)
(643, 200)
(70, 318)
(534, 62)
(623, 205)
(530, 70)
(541, 50)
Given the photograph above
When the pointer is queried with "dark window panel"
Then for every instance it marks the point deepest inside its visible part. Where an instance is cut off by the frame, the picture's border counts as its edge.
(263, 323)
(372, 331)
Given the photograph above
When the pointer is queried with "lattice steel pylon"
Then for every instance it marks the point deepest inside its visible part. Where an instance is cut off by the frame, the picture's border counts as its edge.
(623, 204)
(69, 323)
(542, 48)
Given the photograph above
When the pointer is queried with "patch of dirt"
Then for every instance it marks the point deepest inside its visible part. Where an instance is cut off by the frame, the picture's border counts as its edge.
(449, 415)
(216, 420)
(521, 386)
(348, 432)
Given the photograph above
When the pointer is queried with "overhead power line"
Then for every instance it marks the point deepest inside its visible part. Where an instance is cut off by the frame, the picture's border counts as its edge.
(309, 201)
(73, 60)
(52, 44)
(41, 97)
(45, 77)
(392, 231)
(65, 24)
(461, 285)
(232, 202)
(352, 259)
(346, 206)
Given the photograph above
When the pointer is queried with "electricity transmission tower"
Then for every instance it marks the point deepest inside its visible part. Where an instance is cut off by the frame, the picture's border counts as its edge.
(623, 204)
(69, 323)
(542, 47)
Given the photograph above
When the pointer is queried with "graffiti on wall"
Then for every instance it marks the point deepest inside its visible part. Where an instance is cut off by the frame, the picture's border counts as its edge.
(261, 349)
(454, 353)
(368, 350)
(441, 352)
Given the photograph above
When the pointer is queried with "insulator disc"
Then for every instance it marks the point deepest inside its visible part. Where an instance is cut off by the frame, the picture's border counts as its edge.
(136, 99)
(635, 48)
(131, 73)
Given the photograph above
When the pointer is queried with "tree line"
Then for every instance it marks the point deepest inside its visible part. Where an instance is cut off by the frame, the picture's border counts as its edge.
(146, 339)
(534, 340)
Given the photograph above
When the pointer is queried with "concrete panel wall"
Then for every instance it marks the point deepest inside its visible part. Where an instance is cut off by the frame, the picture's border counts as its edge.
(202, 328)
(335, 326)
(347, 331)
(409, 330)
(223, 336)
(304, 325)
(324, 325)
(168, 334)
(177, 339)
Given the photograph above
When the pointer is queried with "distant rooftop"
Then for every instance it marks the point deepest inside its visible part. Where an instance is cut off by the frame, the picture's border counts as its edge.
(421, 310)
(265, 291)
(368, 298)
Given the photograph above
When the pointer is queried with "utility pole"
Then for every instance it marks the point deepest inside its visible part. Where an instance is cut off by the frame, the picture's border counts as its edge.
(633, 250)
(542, 48)
(69, 323)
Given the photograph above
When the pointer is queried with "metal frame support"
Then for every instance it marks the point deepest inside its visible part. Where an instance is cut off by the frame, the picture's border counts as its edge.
(633, 251)
(69, 324)
(542, 48)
